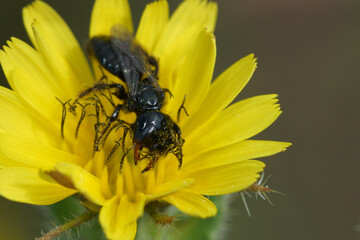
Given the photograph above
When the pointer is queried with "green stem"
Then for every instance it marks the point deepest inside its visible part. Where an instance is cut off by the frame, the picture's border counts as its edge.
(56, 232)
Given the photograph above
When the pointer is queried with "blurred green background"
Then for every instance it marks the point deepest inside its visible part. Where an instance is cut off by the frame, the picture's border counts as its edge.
(308, 53)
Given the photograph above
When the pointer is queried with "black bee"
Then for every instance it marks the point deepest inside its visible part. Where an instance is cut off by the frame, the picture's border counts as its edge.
(122, 56)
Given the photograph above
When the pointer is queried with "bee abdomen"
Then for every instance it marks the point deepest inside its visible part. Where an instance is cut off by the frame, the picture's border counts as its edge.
(101, 48)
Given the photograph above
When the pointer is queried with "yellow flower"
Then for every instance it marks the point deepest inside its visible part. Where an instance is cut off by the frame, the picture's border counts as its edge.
(38, 166)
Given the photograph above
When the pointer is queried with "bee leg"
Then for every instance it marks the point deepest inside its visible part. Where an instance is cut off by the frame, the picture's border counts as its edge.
(110, 120)
(103, 76)
(178, 143)
(153, 160)
(82, 117)
(112, 152)
(120, 93)
(98, 106)
(122, 159)
(63, 116)
(137, 149)
(99, 87)
(178, 154)
(126, 131)
(182, 107)
(168, 91)
(119, 124)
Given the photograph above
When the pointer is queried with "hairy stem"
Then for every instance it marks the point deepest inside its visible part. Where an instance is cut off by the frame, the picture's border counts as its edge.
(56, 232)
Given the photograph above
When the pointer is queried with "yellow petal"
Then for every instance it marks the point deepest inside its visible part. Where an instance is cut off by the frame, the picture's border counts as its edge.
(109, 218)
(6, 65)
(126, 233)
(107, 13)
(5, 161)
(45, 104)
(178, 35)
(238, 122)
(211, 16)
(153, 20)
(104, 184)
(31, 186)
(225, 179)
(194, 76)
(249, 149)
(17, 119)
(24, 57)
(192, 204)
(185, 23)
(222, 92)
(86, 183)
(169, 187)
(130, 209)
(54, 40)
(29, 80)
(33, 154)
(19, 56)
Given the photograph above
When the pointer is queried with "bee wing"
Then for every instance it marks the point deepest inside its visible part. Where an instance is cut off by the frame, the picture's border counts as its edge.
(132, 58)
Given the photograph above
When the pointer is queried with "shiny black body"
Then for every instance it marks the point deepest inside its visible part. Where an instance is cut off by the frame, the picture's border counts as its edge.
(153, 130)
